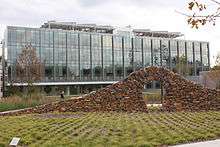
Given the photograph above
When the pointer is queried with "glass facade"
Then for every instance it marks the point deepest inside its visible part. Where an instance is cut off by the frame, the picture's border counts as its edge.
(118, 57)
(72, 56)
(156, 52)
(80, 56)
(174, 54)
(96, 54)
(190, 58)
(128, 55)
(147, 56)
(137, 53)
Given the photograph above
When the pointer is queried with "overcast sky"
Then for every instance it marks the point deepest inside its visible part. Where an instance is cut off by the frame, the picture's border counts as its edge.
(156, 15)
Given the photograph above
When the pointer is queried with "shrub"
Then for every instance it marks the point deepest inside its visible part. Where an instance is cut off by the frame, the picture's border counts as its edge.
(18, 102)
(152, 98)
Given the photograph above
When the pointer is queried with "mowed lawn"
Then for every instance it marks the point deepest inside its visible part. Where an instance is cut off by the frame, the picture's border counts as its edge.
(110, 129)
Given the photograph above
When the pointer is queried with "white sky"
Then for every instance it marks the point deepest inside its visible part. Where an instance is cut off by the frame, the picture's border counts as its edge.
(156, 15)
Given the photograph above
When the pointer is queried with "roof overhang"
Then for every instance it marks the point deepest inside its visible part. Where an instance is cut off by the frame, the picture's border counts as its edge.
(64, 83)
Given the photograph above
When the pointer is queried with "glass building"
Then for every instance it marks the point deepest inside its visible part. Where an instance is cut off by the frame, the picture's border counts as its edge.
(74, 58)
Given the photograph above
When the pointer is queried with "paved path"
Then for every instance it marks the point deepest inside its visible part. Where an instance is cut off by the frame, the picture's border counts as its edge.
(11, 111)
(213, 143)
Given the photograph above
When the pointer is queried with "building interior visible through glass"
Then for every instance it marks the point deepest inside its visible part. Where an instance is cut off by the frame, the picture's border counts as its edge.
(91, 56)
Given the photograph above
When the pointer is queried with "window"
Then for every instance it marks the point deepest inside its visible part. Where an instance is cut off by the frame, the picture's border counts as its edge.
(118, 57)
(147, 51)
(156, 52)
(137, 53)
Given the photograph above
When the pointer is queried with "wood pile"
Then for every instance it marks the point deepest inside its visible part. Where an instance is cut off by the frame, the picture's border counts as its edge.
(126, 95)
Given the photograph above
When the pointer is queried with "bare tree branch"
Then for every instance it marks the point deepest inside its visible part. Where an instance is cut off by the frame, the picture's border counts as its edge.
(28, 67)
(215, 2)
(202, 16)
(195, 19)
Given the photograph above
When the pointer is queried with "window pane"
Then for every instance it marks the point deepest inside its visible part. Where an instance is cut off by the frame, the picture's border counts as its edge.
(147, 51)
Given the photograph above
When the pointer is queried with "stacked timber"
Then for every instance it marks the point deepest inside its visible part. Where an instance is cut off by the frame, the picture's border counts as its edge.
(126, 95)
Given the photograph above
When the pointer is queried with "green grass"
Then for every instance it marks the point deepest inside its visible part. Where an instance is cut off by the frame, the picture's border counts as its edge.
(110, 129)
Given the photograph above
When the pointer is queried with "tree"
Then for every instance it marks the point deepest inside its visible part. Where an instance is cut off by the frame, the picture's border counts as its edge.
(212, 77)
(97, 71)
(29, 68)
(198, 13)
(217, 63)
(182, 67)
(165, 55)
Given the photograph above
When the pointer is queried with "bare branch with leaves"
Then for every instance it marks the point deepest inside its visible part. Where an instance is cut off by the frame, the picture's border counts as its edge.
(197, 17)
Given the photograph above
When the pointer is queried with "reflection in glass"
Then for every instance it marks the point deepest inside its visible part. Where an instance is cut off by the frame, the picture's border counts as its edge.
(80, 56)
(118, 57)
(156, 52)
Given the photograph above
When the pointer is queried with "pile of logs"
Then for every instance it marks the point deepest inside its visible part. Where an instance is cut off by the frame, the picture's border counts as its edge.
(126, 95)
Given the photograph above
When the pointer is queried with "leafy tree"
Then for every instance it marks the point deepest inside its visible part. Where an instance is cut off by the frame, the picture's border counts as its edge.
(182, 67)
(97, 71)
(119, 70)
(197, 10)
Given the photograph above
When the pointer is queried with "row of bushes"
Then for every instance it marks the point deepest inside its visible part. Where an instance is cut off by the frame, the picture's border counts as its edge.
(152, 98)
(17, 102)
(22, 98)
(26, 91)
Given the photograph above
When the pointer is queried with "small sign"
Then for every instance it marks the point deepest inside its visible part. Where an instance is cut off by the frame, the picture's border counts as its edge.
(14, 141)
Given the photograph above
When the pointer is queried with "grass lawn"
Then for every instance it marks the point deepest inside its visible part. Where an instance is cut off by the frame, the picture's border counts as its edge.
(110, 129)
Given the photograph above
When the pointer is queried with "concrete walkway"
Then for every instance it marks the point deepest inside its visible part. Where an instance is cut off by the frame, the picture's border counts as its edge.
(11, 111)
(213, 143)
